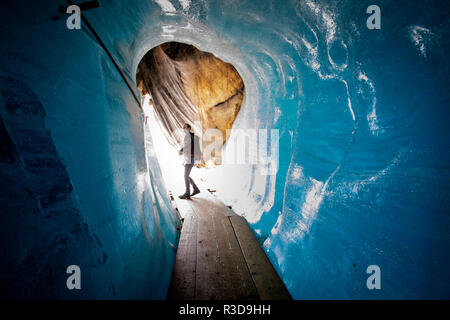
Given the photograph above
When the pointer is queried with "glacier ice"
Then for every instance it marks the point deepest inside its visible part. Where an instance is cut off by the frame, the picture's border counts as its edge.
(363, 175)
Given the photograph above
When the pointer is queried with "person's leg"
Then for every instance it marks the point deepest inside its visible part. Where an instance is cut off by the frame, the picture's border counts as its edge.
(187, 179)
(196, 190)
(187, 171)
(194, 186)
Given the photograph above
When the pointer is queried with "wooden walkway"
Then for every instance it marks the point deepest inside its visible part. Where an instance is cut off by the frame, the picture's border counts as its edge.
(219, 257)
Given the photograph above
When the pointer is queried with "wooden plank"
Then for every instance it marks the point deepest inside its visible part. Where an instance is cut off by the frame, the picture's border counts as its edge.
(216, 203)
(266, 279)
(237, 281)
(237, 278)
(219, 257)
(209, 277)
(174, 205)
(183, 207)
(182, 284)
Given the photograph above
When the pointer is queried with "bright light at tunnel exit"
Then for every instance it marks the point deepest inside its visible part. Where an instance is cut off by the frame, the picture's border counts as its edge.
(222, 179)
(169, 160)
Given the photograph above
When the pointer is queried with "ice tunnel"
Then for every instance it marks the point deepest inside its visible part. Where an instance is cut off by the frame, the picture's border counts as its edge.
(363, 174)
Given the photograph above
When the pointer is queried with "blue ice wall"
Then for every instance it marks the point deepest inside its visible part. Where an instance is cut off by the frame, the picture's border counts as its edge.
(77, 187)
(363, 173)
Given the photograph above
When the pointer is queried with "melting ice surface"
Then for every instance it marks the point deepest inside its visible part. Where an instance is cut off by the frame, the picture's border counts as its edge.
(363, 174)
(363, 171)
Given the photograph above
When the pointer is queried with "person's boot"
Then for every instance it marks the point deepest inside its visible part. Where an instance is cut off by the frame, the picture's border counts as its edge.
(185, 195)
(196, 191)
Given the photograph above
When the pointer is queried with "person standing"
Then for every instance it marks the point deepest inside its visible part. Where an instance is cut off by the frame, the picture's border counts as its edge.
(192, 155)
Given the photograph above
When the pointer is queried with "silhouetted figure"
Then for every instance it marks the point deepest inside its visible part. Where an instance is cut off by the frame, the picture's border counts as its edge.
(191, 153)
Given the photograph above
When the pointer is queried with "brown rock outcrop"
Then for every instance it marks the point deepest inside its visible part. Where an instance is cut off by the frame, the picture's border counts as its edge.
(189, 85)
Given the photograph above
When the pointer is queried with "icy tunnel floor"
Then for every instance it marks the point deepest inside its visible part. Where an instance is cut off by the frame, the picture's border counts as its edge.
(219, 258)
